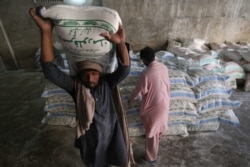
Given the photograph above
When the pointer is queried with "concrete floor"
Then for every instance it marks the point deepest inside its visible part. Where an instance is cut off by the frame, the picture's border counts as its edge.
(24, 142)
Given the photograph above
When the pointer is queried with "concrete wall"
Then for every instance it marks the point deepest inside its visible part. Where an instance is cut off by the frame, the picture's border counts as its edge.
(21, 32)
(152, 23)
(147, 22)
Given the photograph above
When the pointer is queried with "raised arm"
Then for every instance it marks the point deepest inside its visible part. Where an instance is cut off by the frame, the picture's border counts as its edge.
(122, 52)
(119, 39)
(51, 72)
(46, 27)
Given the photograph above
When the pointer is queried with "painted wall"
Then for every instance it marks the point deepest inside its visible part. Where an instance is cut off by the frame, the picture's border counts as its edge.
(146, 22)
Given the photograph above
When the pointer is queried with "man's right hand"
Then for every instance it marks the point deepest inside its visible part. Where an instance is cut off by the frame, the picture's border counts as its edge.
(45, 25)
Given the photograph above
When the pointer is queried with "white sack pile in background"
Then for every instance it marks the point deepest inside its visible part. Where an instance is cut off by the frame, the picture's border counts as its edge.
(199, 98)
(215, 57)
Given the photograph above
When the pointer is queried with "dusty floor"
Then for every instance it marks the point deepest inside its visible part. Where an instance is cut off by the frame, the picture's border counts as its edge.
(24, 142)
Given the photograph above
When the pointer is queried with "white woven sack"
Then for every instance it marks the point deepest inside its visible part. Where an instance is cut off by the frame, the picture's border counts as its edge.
(79, 29)
(245, 54)
(195, 44)
(233, 55)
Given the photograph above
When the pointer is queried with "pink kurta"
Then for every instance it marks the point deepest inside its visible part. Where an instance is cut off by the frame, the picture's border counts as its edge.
(154, 87)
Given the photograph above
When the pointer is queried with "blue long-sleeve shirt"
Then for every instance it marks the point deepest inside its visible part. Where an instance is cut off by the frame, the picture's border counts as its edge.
(95, 144)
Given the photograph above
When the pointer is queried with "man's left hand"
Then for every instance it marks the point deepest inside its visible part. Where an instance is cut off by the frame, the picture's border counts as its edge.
(117, 38)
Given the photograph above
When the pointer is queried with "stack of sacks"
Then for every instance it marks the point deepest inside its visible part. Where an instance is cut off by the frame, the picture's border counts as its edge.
(197, 54)
(182, 111)
(180, 114)
(79, 31)
(213, 103)
(59, 106)
(209, 86)
(199, 98)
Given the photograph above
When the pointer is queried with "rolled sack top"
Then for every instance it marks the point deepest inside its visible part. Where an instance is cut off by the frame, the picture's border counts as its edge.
(79, 27)
(58, 12)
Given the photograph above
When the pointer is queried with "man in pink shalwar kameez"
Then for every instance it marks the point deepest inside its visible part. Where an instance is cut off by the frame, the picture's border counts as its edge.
(154, 87)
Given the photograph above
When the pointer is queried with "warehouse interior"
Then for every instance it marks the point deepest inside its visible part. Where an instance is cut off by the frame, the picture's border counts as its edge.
(175, 29)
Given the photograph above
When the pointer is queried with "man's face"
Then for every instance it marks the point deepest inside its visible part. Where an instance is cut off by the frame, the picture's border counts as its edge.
(90, 78)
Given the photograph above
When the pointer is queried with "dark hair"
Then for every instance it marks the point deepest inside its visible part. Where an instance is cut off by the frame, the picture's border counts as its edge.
(148, 54)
